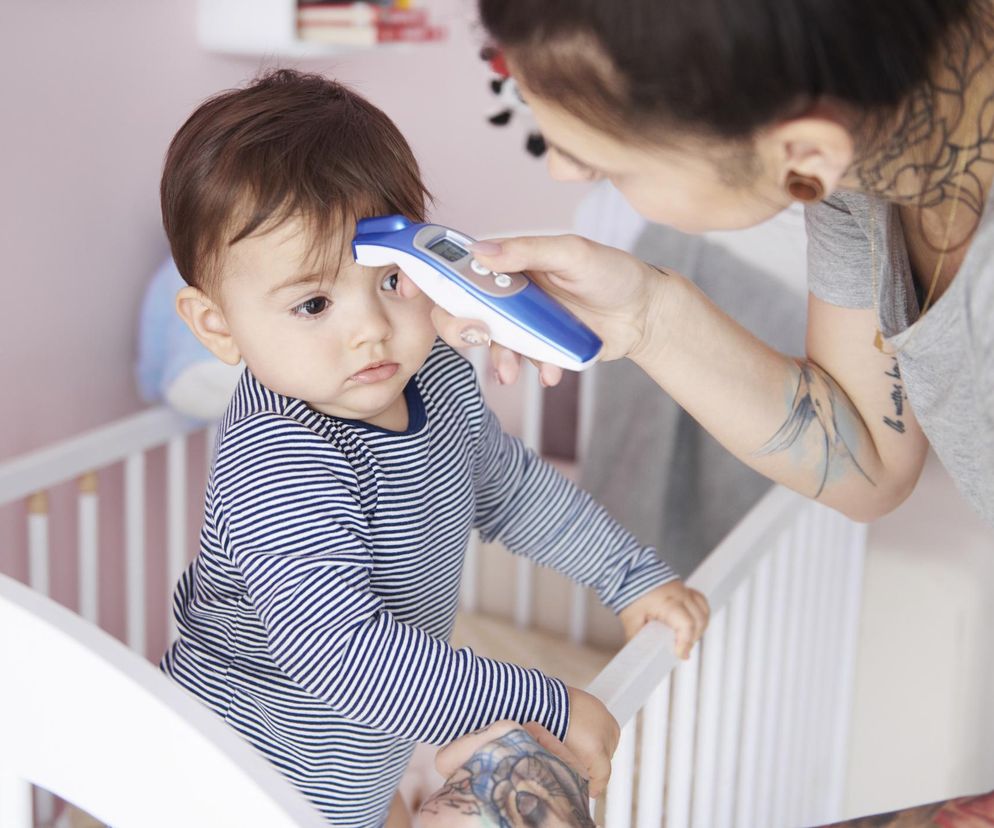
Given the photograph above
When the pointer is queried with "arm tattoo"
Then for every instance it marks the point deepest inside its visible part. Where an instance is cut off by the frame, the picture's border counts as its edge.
(938, 132)
(817, 408)
(898, 397)
(511, 782)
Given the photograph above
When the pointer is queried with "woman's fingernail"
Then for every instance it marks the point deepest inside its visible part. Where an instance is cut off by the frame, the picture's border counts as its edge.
(474, 336)
(486, 248)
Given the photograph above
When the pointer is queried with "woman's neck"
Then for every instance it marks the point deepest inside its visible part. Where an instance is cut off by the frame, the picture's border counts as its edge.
(940, 147)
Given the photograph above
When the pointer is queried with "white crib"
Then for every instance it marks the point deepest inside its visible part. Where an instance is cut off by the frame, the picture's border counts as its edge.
(750, 732)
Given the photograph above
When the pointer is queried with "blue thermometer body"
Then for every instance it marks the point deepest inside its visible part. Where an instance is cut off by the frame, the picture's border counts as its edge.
(519, 314)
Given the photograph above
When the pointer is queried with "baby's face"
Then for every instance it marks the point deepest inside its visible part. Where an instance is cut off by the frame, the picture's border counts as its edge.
(346, 343)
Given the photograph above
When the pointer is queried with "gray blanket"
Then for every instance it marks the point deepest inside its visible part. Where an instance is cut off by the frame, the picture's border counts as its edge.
(654, 468)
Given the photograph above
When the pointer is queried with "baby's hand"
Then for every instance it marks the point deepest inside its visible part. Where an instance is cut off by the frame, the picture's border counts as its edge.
(680, 608)
(592, 737)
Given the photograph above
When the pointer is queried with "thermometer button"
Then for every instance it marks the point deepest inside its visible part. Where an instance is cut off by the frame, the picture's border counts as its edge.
(502, 280)
(478, 268)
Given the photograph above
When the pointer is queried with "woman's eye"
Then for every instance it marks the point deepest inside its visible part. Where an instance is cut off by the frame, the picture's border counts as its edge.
(312, 307)
(390, 282)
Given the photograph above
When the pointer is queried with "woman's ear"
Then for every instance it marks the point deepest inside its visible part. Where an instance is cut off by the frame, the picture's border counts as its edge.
(815, 146)
(208, 324)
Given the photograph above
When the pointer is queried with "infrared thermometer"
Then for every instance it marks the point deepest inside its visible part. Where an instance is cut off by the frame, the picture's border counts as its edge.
(520, 315)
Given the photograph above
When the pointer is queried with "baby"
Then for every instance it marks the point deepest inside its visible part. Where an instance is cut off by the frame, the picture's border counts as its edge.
(355, 458)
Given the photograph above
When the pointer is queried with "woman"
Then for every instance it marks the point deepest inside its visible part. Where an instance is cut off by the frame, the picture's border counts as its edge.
(717, 114)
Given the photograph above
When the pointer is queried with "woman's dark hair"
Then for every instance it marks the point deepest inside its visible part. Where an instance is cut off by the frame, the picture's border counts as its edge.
(721, 68)
(289, 145)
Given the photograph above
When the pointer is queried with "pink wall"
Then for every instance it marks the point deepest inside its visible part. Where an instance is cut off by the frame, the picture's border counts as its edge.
(92, 95)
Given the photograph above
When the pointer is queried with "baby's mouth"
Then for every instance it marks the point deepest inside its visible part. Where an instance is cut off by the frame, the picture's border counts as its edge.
(375, 372)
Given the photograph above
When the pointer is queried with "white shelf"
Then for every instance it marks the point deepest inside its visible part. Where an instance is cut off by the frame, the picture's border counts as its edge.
(257, 27)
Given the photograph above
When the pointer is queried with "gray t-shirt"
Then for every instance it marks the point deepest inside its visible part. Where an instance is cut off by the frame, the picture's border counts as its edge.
(946, 357)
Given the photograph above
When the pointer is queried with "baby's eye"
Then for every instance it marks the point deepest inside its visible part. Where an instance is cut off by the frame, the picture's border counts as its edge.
(390, 281)
(314, 306)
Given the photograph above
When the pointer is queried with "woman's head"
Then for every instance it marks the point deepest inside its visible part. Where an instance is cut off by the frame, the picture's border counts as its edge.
(709, 78)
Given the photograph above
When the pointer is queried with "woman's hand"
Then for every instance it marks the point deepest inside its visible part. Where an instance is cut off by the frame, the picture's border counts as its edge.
(508, 774)
(611, 291)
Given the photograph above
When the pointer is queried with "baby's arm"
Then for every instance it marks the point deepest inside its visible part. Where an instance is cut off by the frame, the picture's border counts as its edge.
(536, 512)
(297, 536)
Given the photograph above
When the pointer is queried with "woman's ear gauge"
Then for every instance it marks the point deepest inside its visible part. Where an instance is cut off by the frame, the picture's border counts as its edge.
(808, 189)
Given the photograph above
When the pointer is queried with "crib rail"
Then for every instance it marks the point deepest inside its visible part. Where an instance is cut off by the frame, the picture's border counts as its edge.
(40, 470)
(752, 730)
(130, 746)
(126, 442)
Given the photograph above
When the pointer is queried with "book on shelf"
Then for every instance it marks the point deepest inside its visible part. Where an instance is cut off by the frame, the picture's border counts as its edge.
(369, 34)
(360, 14)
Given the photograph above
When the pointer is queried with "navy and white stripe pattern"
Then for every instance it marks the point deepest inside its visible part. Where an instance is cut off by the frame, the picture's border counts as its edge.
(316, 616)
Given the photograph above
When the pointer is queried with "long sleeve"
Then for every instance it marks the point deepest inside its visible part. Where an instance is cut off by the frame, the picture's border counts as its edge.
(536, 512)
(299, 540)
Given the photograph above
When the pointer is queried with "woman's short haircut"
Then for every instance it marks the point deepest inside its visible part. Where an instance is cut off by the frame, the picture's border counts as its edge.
(720, 68)
(289, 145)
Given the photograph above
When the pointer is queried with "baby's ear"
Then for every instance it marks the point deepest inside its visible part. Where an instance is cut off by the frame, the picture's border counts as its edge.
(208, 324)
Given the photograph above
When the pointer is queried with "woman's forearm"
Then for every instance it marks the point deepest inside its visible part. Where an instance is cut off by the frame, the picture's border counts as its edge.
(798, 421)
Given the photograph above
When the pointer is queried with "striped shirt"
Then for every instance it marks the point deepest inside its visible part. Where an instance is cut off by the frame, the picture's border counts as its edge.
(315, 618)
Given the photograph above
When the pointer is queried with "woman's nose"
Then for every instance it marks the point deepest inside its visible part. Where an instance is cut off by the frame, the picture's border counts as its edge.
(563, 169)
(560, 169)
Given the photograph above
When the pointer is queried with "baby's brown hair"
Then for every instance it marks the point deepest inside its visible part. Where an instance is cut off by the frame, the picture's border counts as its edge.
(288, 145)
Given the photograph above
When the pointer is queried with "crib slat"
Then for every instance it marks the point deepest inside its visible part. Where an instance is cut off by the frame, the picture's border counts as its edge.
(134, 533)
(532, 438)
(709, 716)
(766, 770)
(652, 756)
(577, 613)
(469, 585)
(731, 714)
(584, 423)
(44, 802)
(785, 773)
(679, 784)
(16, 809)
(87, 534)
(531, 429)
(826, 667)
(759, 625)
(807, 656)
(524, 572)
(38, 554)
(469, 592)
(836, 710)
(618, 813)
(815, 734)
(585, 410)
(176, 550)
(854, 554)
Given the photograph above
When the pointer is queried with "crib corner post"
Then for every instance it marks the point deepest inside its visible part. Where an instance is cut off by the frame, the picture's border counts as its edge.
(16, 809)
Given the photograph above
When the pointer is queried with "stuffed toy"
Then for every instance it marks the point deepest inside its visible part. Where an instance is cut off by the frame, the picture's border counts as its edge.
(510, 101)
(173, 367)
